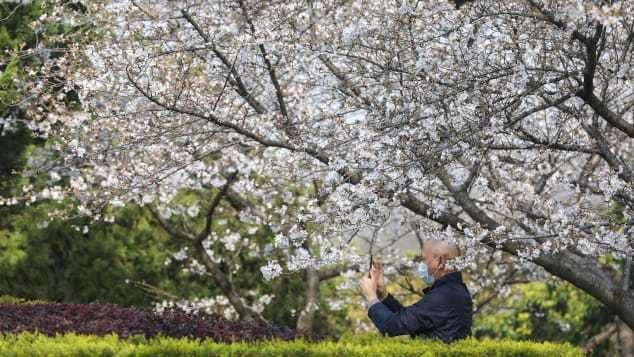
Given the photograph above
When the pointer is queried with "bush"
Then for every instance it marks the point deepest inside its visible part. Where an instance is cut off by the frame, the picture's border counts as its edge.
(73, 345)
(12, 300)
(103, 319)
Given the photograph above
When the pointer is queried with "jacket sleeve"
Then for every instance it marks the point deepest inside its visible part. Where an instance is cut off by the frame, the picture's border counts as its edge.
(392, 303)
(422, 316)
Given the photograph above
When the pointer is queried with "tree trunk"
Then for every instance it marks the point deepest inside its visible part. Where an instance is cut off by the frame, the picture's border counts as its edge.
(587, 275)
(626, 340)
(307, 315)
(228, 290)
(606, 333)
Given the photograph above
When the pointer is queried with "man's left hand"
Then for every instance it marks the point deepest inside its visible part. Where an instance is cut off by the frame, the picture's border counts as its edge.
(368, 287)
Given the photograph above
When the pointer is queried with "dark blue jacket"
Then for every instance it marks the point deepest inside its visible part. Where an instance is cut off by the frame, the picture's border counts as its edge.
(445, 312)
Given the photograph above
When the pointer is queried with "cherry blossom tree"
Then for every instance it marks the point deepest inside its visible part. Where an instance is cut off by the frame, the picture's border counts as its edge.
(505, 125)
(214, 234)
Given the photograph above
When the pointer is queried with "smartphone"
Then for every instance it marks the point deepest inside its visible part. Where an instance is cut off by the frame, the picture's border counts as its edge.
(371, 262)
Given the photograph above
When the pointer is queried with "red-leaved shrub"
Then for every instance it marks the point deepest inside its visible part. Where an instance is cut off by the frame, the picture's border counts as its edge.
(102, 319)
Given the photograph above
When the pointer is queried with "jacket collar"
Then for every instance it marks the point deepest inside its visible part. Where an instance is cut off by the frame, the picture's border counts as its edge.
(455, 277)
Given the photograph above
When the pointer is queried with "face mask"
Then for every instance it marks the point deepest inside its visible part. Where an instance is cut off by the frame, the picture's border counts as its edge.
(423, 272)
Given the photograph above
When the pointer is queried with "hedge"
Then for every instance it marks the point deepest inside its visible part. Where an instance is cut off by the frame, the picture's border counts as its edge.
(103, 319)
(27, 344)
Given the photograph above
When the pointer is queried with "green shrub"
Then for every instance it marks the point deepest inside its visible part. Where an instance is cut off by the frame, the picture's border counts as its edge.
(75, 345)
(12, 300)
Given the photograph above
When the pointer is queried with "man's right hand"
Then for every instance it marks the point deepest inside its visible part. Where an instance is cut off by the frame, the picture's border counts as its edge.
(377, 276)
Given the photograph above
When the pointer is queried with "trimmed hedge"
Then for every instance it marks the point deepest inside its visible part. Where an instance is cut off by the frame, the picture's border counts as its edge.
(27, 344)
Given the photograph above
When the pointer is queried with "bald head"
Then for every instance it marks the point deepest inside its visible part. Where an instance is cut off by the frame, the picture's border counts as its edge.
(441, 248)
(436, 253)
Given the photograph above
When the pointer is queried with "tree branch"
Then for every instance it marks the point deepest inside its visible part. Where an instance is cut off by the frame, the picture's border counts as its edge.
(269, 66)
(604, 112)
(417, 206)
(228, 290)
(328, 274)
(212, 207)
(606, 332)
(169, 228)
(346, 84)
(549, 17)
(586, 93)
(237, 82)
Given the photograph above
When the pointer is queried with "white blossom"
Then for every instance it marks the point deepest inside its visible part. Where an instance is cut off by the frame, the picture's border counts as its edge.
(271, 270)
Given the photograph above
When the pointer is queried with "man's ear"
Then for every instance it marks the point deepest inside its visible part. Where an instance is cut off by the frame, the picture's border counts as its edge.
(441, 262)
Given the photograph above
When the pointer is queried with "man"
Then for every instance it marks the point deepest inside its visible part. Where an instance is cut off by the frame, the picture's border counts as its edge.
(444, 313)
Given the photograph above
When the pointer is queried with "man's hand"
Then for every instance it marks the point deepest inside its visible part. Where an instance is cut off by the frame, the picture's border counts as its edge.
(377, 276)
(368, 287)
